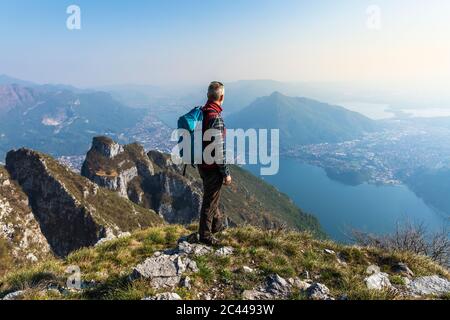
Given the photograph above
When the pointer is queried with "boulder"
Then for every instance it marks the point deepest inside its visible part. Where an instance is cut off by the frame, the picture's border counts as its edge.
(299, 284)
(277, 285)
(256, 295)
(14, 295)
(274, 288)
(378, 281)
(164, 271)
(431, 285)
(225, 251)
(165, 296)
(372, 269)
(318, 291)
(196, 249)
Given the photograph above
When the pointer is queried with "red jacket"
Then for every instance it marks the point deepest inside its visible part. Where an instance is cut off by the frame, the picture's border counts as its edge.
(212, 119)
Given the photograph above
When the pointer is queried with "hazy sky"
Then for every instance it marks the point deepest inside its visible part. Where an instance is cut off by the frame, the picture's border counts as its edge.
(165, 41)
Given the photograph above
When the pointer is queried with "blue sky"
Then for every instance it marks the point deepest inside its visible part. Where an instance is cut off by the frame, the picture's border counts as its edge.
(178, 41)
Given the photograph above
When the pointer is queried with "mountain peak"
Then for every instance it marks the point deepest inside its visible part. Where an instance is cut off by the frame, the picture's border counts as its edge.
(301, 120)
(5, 79)
(106, 147)
(277, 94)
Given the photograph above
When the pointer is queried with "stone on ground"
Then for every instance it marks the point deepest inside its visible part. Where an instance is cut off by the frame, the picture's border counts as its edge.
(431, 285)
(164, 296)
(164, 271)
(378, 281)
(373, 269)
(318, 291)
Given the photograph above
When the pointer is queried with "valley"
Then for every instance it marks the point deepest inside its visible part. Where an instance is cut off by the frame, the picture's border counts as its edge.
(352, 149)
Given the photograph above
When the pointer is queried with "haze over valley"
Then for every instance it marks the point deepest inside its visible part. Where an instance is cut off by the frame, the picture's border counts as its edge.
(354, 149)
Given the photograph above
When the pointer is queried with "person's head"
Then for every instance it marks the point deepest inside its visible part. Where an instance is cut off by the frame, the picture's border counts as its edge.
(216, 92)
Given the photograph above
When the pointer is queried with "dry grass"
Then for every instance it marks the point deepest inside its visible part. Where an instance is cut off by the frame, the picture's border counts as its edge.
(287, 253)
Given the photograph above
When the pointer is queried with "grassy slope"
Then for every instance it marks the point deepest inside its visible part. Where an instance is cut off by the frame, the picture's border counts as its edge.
(286, 253)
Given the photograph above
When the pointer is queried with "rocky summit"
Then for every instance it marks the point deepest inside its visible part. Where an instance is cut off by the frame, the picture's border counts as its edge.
(249, 263)
(150, 181)
(70, 211)
(153, 181)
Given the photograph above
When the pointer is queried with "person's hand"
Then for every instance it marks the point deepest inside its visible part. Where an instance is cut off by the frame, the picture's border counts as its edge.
(227, 181)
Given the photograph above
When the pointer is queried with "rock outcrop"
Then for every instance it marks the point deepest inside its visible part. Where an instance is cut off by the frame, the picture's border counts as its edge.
(378, 281)
(277, 287)
(72, 212)
(430, 285)
(164, 271)
(19, 231)
(150, 180)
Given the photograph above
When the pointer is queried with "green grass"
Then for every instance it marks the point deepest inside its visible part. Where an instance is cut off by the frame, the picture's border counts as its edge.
(289, 254)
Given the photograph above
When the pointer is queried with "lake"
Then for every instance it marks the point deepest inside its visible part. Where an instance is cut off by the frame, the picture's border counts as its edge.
(376, 209)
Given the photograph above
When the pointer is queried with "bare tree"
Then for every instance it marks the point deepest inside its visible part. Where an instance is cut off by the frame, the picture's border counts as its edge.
(410, 237)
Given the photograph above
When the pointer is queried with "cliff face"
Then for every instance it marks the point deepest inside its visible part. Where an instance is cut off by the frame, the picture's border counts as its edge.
(72, 211)
(153, 181)
(20, 234)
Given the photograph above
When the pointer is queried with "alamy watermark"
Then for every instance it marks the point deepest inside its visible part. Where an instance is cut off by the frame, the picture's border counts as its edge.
(242, 147)
(374, 19)
(73, 22)
(74, 280)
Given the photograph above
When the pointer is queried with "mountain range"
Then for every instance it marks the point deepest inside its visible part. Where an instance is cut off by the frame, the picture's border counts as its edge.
(59, 121)
(302, 120)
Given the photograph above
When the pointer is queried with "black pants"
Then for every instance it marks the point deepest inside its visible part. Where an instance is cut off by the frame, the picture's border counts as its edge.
(211, 219)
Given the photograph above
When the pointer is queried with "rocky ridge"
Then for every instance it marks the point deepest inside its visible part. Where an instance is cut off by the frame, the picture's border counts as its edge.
(20, 234)
(71, 211)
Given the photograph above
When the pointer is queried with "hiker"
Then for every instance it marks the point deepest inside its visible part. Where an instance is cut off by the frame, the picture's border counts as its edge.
(214, 175)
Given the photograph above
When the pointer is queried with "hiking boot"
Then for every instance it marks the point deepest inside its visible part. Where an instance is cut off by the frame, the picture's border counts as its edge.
(212, 241)
(192, 238)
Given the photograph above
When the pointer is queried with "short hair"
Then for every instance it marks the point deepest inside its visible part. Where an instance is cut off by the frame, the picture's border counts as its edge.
(216, 89)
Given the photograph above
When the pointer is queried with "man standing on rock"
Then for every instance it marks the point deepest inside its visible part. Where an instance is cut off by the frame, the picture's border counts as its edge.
(217, 174)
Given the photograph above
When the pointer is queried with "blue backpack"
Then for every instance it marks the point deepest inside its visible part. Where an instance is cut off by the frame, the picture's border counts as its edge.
(190, 122)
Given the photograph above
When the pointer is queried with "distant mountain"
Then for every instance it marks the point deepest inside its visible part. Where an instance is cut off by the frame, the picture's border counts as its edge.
(301, 120)
(16, 96)
(5, 79)
(170, 102)
(59, 121)
(137, 96)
